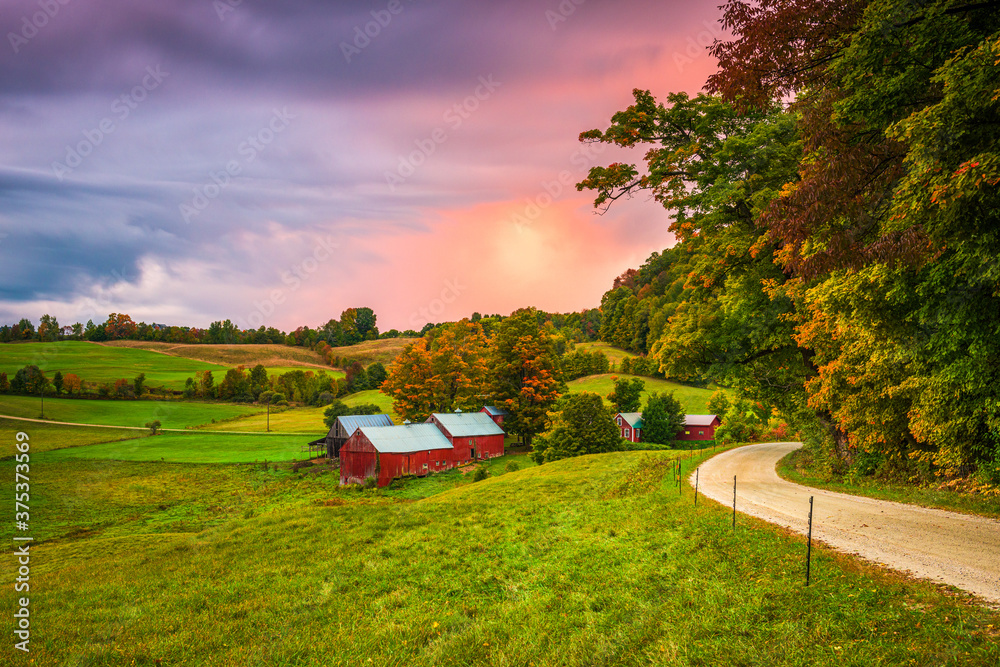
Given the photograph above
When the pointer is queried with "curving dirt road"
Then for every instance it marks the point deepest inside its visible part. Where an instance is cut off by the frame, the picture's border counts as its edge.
(956, 549)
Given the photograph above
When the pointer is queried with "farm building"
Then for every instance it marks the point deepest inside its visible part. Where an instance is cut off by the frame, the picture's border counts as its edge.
(496, 414)
(699, 427)
(474, 435)
(387, 452)
(629, 425)
(345, 427)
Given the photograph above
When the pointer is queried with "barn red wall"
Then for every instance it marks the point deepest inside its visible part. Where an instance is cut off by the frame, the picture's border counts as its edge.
(487, 446)
(358, 460)
(696, 432)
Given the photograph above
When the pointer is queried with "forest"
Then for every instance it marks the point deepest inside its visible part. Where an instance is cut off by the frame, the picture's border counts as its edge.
(833, 196)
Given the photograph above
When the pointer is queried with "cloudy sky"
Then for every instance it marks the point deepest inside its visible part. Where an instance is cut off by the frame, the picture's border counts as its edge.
(275, 163)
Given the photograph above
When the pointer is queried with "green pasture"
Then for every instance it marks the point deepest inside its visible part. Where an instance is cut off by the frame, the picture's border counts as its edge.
(198, 447)
(44, 437)
(614, 354)
(596, 560)
(171, 414)
(693, 399)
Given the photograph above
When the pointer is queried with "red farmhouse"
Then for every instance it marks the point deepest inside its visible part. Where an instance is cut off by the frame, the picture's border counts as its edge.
(699, 427)
(474, 435)
(629, 425)
(387, 452)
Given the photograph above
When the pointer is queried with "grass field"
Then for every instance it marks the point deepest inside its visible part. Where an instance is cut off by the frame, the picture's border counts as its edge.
(796, 468)
(171, 414)
(45, 437)
(370, 351)
(193, 448)
(303, 420)
(693, 399)
(106, 363)
(614, 354)
(231, 355)
(593, 560)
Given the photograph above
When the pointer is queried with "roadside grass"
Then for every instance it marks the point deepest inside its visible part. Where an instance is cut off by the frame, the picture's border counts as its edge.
(171, 414)
(370, 351)
(45, 437)
(592, 560)
(693, 399)
(195, 447)
(614, 354)
(796, 468)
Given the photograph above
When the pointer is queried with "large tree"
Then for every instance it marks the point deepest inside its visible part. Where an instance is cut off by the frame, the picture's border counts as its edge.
(585, 425)
(525, 373)
(662, 418)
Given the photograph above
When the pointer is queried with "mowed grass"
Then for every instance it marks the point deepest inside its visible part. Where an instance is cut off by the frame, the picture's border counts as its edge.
(692, 399)
(46, 437)
(593, 560)
(136, 413)
(194, 448)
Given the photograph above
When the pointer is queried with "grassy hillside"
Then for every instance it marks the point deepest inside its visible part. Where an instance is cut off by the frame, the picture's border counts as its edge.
(171, 414)
(614, 354)
(371, 351)
(193, 448)
(303, 420)
(693, 399)
(95, 362)
(231, 355)
(594, 560)
(46, 437)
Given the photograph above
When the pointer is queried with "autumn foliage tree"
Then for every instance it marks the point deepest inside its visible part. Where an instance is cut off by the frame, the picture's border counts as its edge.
(525, 377)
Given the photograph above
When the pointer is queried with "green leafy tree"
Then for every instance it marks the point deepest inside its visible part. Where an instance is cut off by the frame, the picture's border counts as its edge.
(139, 384)
(57, 382)
(662, 418)
(376, 374)
(627, 394)
(718, 403)
(258, 380)
(153, 426)
(585, 425)
(4, 383)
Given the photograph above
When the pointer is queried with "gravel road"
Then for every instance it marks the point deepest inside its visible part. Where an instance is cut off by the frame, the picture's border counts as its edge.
(947, 547)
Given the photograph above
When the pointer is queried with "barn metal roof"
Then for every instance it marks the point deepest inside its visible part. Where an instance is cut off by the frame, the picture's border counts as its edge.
(634, 419)
(351, 423)
(466, 424)
(699, 420)
(494, 410)
(406, 438)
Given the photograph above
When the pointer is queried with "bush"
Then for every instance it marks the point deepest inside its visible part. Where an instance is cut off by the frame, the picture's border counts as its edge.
(153, 426)
(480, 474)
(370, 483)
(511, 466)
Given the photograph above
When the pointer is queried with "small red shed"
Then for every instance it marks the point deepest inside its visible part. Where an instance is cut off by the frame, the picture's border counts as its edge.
(495, 413)
(699, 427)
(629, 425)
(474, 435)
(388, 452)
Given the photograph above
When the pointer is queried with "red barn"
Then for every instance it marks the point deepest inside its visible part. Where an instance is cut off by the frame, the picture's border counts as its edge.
(699, 427)
(496, 414)
(474, 435)
(388, 452)
(629, 425)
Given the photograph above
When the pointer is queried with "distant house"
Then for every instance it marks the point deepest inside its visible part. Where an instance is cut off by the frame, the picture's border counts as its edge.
(387, 452)
(345, 427)
(699, 427)
(474, 435)
(496, 414)
(630, 425)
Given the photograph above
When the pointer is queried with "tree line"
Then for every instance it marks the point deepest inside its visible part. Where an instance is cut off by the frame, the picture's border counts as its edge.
(834, 199)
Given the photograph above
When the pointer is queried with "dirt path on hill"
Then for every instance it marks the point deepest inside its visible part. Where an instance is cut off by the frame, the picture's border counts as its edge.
(957, 549)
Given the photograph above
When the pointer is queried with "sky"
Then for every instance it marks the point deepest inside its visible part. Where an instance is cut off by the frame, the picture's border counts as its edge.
(276, 163)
